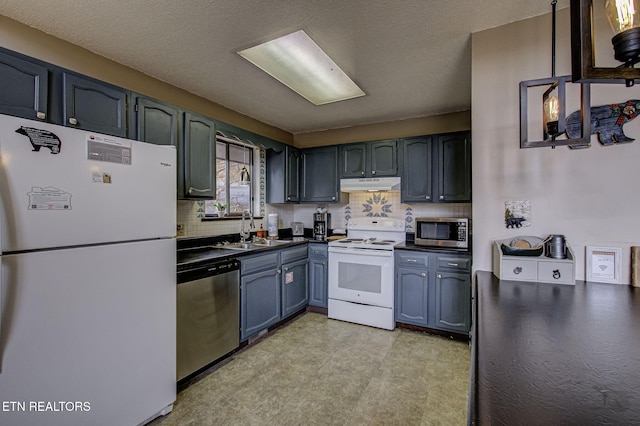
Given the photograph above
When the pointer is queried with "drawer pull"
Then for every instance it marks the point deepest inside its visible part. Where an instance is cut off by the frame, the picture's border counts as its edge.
(556, 274)
(412, 260)
(452, 264)
(438, 276)
(73, 121)
(41, 115)
(517, 270)
(423, 274)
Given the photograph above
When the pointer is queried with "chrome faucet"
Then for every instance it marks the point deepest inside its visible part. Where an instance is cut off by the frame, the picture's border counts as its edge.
(244, 235)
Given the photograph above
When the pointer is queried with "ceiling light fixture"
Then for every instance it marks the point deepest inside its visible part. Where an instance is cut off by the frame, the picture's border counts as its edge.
(554, 110)
(297, 61)
(624, 18)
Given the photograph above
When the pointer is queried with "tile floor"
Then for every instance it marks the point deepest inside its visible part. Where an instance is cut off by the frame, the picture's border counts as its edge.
(317, 371)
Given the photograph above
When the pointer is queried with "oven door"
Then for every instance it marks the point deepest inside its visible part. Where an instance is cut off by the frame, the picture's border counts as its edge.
(361, 276)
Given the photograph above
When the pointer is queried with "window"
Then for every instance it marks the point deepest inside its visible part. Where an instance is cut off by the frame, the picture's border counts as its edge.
(230, 159)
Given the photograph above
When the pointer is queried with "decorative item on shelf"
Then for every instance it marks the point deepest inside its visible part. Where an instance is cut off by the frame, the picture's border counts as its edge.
(523, 246)
(222, 209)
(554, 106)
(624, 18)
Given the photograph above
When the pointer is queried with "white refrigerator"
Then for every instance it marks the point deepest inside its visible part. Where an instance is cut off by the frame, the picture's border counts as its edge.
(88, 277)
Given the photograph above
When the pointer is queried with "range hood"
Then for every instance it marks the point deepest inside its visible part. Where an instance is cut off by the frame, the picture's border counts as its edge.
(370, 184)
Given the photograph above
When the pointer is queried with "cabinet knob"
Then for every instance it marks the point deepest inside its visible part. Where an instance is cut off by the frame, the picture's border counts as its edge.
(323, 263)
(517, 270)
(333, 198)
(428, 197)
(423, 274)
(41, 115)
(442, 197)
(439, 276)
(73, 121)
(373, 172)
(288, 198)
(286, 268)
(279, 271)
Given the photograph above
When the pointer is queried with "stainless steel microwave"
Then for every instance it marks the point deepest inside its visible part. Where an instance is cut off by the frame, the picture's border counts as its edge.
(445, 232)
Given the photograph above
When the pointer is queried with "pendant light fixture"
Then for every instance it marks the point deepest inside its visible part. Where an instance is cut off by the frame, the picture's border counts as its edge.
(554, 105)
(624, 18)
(245, 179)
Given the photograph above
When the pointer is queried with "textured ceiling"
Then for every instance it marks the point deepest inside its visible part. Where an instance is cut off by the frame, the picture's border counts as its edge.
(412, 57)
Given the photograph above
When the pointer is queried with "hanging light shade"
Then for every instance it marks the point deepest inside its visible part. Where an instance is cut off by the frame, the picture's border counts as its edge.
(245, 179)
(624, 18)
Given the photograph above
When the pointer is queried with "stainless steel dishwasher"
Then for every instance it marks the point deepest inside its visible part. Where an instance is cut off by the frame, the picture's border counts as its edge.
(208, 313)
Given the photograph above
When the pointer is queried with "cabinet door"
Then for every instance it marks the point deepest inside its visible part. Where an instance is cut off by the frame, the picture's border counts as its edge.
(453, 301)
(353, 160)
(417, 158)
(382, 158)
(23, 88)
(318, 281)
(94, 106)
(412, 296)
(156, 122)
(200, 156)
(292, 178)
(295, 287)
(260, 301)
(454, 167)
(320, 175)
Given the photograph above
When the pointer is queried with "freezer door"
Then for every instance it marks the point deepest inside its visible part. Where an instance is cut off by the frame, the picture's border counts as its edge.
(63, 187)
(88, 334)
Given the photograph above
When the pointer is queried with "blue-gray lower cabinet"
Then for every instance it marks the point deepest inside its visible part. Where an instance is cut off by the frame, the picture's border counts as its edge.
(453, 301)
(318, 268)
(412, 288)
(295, 287)
(260, 301)
(433, 289)
(412, 296)
(273, 285)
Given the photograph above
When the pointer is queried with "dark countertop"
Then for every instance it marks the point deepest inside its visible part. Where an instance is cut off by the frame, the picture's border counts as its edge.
(552, 354)
(200, 252)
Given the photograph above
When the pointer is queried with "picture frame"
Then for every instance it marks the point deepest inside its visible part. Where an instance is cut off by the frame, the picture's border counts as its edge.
(603, 264)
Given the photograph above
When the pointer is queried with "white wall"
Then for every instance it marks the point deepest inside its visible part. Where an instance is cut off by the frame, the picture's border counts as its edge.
(591, 195)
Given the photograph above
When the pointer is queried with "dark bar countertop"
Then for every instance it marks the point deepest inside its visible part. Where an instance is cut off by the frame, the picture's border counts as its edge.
(551, 354)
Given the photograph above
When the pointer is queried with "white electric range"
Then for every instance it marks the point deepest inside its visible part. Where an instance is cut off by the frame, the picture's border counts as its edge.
(361, 277)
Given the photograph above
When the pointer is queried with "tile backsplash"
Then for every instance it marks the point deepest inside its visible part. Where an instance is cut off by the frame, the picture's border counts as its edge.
(361, 204)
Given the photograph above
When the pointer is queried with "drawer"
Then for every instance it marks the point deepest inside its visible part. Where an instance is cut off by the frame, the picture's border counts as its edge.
(551, 272)
(457, 263)
(412, 259)
(294, 253)
(318, 250)
(513, 269)
(259, 262)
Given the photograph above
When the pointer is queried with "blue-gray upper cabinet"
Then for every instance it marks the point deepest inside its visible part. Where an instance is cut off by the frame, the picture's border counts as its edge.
(318, 278)
(156, 122)
(199, 157)
(369, 159)
(454, 167)
(319, 174)
(283, 175)
(417, 171)
(94, 105)
(23, 88)
(436, 168)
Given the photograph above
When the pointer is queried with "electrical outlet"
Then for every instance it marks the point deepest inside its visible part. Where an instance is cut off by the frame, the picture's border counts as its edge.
(180, 230)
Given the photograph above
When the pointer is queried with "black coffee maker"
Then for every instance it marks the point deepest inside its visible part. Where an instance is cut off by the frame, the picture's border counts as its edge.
(321, 225)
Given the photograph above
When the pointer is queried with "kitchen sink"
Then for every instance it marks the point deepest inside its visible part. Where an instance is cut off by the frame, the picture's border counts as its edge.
(239, 246)
(270, 243)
